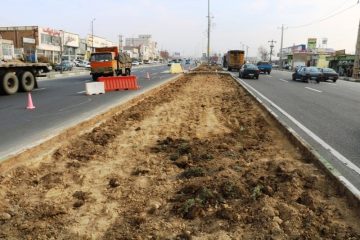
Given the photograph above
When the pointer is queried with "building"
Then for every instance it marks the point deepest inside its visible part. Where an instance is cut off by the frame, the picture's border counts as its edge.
(147, 47)
(302, 55)
(71, 46)
(45, 44)
(342, 63)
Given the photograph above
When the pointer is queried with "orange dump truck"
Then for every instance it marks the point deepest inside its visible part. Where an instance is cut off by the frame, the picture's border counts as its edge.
(108, 61)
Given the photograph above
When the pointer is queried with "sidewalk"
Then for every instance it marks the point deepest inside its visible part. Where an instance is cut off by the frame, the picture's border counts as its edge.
(349, 79)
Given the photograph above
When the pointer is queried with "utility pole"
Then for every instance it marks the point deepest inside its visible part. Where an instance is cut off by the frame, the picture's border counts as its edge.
(356, 69)
(271, 48)
(209, 25)
(120, 43)
(281, 46)
(92, 34)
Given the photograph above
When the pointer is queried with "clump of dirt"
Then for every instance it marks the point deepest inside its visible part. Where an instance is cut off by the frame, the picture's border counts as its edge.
(195, 160)
(207, 68)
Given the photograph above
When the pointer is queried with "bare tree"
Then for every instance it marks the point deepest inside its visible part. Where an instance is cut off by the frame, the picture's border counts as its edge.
(263, 53)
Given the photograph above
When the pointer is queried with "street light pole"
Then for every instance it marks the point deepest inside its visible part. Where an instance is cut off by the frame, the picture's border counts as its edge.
(356, 68)
(209, 24)
(281, 46)
(92, 34)
(271, 48)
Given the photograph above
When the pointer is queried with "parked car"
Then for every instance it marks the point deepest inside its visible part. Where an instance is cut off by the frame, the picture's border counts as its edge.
(77, 62)
(329, 74)
(308, 73)
(135, 63)
(249, 70)
(63, 66)
(83, 64)
(87, 66)
(264, 67)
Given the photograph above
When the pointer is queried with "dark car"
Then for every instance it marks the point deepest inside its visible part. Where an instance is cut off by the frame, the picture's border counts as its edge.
(63, 66)
(264, 67)
(307, 73)
(249, 70)
(329, 74)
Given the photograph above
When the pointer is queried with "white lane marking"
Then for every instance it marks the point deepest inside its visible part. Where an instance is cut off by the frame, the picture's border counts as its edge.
(312, 89)
(350, 186)
(338, 155)
(283, 80)
(81, 92)
(38, 89)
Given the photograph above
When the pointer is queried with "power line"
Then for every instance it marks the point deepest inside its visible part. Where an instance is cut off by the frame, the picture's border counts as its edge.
(325, 18)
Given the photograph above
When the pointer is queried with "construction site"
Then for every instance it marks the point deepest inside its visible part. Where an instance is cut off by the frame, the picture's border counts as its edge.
(195, 158)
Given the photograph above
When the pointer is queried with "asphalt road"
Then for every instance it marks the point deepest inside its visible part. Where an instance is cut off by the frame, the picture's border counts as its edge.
(61, 103)
(326, 115)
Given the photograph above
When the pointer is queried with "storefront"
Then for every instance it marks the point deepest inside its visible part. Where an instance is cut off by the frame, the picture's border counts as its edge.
(49, 44)
(343, 64)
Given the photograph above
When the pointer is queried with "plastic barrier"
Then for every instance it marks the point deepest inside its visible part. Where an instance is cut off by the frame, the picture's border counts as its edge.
(119, 83)
(176, 68)
(94, 88)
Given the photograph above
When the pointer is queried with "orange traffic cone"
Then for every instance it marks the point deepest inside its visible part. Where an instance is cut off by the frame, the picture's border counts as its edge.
(30, 104)
(147, 76)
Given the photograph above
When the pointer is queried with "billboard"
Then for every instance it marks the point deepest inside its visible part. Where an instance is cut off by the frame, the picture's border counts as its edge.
(71, 40)
(312, 43)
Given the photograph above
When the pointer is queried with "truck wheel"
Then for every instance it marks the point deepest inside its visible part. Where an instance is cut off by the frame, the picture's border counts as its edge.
(94, 77)
(127, 72)
(229, 69)
(9, 84)
(27, 81)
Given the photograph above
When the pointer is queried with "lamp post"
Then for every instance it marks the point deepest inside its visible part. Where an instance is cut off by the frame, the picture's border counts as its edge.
(92, 34)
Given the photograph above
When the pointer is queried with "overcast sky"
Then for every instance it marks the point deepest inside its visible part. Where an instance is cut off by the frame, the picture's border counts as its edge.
(181, 25)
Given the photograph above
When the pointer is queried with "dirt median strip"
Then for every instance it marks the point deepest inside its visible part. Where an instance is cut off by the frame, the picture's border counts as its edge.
(197, 159)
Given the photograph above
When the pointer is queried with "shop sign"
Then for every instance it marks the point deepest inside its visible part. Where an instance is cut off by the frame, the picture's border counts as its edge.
(29, 40)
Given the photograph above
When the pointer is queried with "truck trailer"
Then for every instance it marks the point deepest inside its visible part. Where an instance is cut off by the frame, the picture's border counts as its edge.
(234, 59)
(20, 76)
(108, 61)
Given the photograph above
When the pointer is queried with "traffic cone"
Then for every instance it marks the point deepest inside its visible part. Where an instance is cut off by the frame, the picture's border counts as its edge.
(147, 76)
(30, 104)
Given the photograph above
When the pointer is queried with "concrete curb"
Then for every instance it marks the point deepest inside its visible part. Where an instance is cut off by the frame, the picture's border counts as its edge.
(349, 79)
(310, 154)
(64, 75)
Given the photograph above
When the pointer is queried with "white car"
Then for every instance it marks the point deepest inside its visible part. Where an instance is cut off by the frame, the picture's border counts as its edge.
(83, 64)
(77, 62)
(135, 63)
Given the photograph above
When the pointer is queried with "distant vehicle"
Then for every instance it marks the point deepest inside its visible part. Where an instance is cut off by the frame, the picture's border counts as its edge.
(329, 74)
(83, 64)
(264, 67)
(88, 65)
(307, 73)
(135, 63)
(108, 61)
(187, 61)
(77, 62)
(249, 70)
(234, 59)
(64, 66)
(171, 62)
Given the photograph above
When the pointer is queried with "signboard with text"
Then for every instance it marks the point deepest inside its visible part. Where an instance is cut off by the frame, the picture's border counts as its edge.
(312, 43)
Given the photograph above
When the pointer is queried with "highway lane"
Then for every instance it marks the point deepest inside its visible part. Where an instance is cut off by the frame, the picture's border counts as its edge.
(331, 111)
(61, 103)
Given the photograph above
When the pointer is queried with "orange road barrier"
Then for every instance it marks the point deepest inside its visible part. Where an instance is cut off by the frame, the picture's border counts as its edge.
(30, 104)
(119, 83)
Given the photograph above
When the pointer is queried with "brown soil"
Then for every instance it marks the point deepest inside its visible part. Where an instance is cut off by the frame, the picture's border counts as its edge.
(198, 160)
(205, 67)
